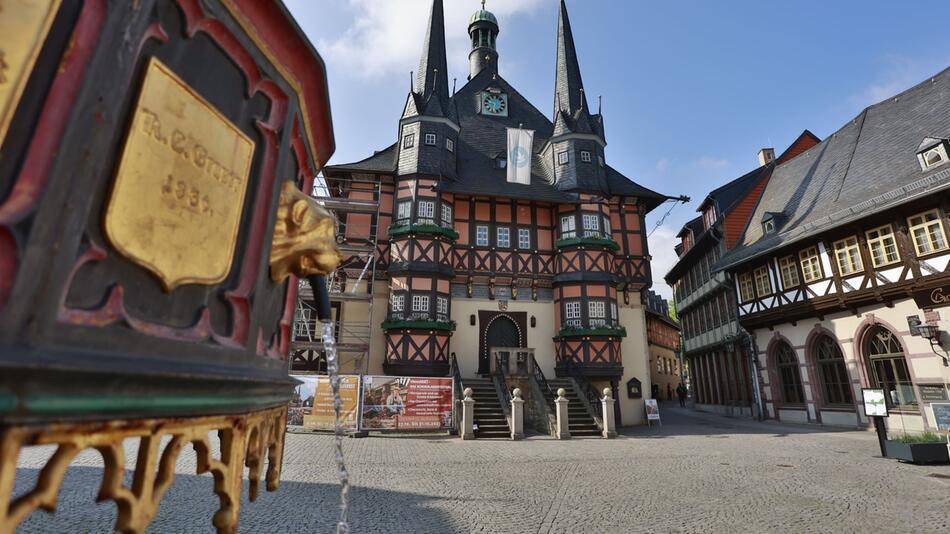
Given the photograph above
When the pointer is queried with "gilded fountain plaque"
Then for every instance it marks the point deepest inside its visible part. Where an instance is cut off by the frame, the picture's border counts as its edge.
(179, 192)
(24, 25)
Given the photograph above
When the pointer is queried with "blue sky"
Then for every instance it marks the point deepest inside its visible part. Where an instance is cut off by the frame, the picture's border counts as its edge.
(691, 89)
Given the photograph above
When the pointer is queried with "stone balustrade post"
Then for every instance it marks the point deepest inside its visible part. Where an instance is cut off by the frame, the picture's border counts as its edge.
(517, 415)
(563, 428)
(468, 415)
(610, 424)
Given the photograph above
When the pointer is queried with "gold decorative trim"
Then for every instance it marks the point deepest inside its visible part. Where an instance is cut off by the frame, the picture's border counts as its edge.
(244, 440)
(24, 26)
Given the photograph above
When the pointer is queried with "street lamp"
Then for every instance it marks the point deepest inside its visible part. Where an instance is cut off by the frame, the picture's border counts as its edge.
(932, 334)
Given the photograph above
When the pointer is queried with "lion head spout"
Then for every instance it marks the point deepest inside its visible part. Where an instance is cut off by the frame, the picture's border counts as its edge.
(304, 237)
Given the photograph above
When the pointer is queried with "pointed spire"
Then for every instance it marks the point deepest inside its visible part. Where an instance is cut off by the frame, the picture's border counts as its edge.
(432, 77)
(569, 86)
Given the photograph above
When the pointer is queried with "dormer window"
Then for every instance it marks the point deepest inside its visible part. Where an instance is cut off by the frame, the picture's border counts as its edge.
(501, 163)
(931, 153)
(769, 226)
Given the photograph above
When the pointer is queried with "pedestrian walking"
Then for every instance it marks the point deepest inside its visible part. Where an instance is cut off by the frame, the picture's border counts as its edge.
(681, 393)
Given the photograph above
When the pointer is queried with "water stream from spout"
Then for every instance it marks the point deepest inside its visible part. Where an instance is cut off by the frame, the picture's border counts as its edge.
(333, 368)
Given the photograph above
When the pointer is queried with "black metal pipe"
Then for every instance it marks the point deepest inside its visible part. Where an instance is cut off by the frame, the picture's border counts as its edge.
(321, 297)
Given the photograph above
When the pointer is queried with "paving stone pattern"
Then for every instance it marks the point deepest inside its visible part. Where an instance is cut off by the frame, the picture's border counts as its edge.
(697, 473)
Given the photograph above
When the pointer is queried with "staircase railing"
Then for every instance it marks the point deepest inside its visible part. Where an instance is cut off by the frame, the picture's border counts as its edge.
(587, 392)
(459, 391)
(543, 382)
(499, 376)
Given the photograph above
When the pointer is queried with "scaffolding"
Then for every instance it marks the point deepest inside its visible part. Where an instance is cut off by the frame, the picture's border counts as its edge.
(355, 202)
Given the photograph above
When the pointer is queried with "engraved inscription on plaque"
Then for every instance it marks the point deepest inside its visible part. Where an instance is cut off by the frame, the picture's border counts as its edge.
(24, 25)
(178, 195)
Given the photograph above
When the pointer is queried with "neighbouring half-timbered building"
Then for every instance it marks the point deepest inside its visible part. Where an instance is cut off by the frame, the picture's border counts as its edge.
(722, 378)
(466, 261)
(663, 340)
(845, 255)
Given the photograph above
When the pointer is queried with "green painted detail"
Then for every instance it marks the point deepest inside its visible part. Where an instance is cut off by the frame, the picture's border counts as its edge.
(55, 404)
(589, 241)
(430, 229)
(584, 332)
(7, 401)
(419, 325)
(483, 14)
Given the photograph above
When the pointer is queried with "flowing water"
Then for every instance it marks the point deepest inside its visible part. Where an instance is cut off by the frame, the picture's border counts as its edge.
(333, 368)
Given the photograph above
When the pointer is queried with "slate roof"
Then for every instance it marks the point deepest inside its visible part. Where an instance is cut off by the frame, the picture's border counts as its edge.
(483, 138)
(868, 166)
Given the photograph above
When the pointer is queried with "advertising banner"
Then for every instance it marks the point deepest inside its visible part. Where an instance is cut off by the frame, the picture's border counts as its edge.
(312, 404)
(874, 403)
(406, 403)
(653, 410)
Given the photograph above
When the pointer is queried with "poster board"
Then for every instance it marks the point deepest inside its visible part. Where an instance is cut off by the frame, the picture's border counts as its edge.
(311, 406)
(407, 403)
(875, 404)
(653, 409)
(941, 415)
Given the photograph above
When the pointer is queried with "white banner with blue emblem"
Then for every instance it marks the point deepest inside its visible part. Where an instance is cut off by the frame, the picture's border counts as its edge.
(520, 143)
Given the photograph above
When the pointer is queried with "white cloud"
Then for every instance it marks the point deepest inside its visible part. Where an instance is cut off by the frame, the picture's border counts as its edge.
(661, 244)
(897, 73)
(709, 163)
(386, 36)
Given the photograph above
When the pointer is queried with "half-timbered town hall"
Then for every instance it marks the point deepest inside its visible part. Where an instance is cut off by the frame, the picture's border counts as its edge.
(448, 259)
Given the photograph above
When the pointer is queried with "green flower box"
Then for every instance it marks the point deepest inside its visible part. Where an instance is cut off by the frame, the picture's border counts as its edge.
(419, 325)
(428, 229)
(590, 332)
(588, 241)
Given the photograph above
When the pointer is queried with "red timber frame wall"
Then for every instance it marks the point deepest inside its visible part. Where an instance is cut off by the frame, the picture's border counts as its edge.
(420, 268)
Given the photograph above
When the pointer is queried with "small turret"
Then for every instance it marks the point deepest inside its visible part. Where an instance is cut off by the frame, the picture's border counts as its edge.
(483, 28)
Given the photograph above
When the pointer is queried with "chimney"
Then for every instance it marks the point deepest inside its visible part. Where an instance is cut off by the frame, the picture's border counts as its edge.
(766, 156)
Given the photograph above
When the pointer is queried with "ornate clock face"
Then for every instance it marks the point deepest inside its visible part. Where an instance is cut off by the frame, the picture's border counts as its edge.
(495, 104)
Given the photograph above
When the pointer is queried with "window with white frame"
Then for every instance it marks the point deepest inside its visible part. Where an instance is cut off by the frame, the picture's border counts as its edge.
(600, 160)
(426, 212)
(811, 264)
(591, 225)
(572, 313)
(430, 139)
(447, 215)
(789, 268)
(596, 310)
(606, 226)
(449, 145)
(563, 158)
(934, 157)
(849, 256)
(585, 156)
(404, 212)
(442, 308)
(613, 312)
(926, 229)
(745, 287)
(882, 246)
(524, 238)
(420, 304)
(503, 237)
(409, 140)
(568, 227)
(763, 286)
(481, 235)
(397, 303)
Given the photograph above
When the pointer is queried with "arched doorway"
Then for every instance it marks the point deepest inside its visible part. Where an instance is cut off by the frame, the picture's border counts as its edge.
(501, 332)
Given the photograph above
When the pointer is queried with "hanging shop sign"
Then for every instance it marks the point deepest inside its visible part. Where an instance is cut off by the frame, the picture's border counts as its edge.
(312, 404)
(406, 403)
(875, 404)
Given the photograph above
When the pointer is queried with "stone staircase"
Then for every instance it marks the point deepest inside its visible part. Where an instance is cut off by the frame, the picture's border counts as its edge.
(580, 423)
(489, 416)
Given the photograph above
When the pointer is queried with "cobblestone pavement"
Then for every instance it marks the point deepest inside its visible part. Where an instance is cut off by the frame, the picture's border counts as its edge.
(698, 473)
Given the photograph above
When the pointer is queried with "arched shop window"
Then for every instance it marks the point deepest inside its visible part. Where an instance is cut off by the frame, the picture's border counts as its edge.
(789, 374)
(889, 368)
(832, 372)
